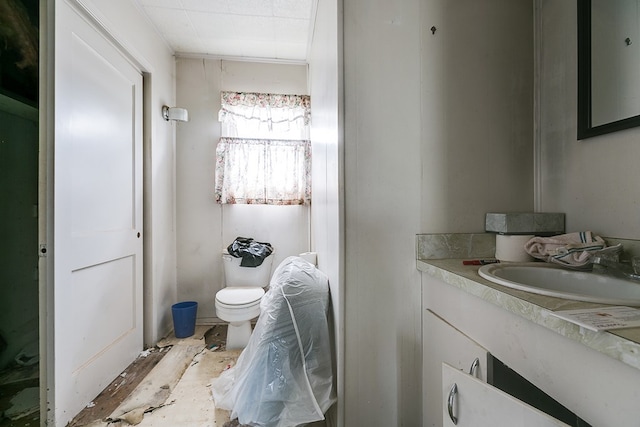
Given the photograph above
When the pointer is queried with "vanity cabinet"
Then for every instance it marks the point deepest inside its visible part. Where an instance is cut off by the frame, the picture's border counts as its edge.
(463, 318)
(451, 357)
(471, 402)
(441, 342)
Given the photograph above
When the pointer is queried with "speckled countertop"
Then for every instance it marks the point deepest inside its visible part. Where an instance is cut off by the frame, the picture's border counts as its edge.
(621, 344)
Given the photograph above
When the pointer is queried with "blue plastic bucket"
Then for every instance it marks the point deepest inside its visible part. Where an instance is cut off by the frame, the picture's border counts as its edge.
(184, 318)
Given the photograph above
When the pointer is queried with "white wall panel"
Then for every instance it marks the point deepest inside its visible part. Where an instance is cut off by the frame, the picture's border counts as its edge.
(327, 210)
(382, 212)
(438, 131)
(477, 119)
(595, 181)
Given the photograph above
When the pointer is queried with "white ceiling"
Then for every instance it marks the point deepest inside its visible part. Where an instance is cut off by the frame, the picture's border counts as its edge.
(255, 29)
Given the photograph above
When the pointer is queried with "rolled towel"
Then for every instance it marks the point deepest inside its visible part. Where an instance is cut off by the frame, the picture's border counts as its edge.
(573, 250)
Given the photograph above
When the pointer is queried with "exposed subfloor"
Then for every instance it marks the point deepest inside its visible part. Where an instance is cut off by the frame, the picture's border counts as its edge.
(171, 390)
(167, 385)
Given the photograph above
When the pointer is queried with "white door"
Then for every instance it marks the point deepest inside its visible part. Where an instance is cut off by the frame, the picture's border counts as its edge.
(97, 253)
(470, 402)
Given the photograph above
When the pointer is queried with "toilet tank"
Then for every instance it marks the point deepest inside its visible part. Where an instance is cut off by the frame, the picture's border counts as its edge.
(235, 275)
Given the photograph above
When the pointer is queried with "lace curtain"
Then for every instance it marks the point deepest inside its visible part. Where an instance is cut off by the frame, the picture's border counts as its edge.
(264, 156)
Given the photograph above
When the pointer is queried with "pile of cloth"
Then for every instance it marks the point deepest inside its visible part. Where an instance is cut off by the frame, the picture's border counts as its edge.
(573, 250)
(252, 253)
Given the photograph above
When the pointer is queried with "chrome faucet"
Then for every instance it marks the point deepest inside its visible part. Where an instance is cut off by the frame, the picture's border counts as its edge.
(615, 268)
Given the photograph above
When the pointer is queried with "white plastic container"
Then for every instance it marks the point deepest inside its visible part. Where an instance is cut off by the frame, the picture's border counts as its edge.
(510, 248)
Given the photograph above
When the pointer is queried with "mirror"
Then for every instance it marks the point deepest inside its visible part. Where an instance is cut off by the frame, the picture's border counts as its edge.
(608, 66)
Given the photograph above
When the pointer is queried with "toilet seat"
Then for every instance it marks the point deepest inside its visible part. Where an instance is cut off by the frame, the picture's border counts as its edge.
(239, 296)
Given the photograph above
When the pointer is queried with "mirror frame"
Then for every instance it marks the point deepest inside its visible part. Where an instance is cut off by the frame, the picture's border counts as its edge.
(585, 125)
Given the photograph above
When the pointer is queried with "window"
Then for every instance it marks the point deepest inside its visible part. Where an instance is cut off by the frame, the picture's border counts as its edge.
(264, 155)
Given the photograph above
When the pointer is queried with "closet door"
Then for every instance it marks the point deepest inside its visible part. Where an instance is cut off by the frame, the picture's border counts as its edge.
(97, 198)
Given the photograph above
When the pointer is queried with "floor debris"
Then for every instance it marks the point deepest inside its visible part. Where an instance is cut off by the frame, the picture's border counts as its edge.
(13, 381)
(114, 394)
(174, 389)
(25, 403)
(155, 389)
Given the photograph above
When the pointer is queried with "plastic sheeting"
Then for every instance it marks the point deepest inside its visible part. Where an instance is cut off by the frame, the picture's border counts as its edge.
(284, 376)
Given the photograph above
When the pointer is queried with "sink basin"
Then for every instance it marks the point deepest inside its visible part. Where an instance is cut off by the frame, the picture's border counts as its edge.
(551, 280)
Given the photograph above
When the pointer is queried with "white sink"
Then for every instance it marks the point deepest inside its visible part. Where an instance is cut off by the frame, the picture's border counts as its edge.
(551, 280)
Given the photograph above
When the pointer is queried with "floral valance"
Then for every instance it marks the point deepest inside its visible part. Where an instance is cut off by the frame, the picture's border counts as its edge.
(268, 108)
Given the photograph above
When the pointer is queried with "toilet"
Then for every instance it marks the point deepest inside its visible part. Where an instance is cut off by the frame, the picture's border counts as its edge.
(239, 301)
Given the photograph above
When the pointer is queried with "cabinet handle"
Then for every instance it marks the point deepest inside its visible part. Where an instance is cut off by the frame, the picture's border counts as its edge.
(452, 394)
(474, 367)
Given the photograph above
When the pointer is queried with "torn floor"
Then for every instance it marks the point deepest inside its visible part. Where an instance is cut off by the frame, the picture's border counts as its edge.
(176, 392)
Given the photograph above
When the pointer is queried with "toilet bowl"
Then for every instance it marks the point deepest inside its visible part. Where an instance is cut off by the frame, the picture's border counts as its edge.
(239, 301)
(238, 305)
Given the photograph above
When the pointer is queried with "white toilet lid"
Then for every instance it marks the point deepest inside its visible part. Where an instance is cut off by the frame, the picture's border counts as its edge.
(238, 296)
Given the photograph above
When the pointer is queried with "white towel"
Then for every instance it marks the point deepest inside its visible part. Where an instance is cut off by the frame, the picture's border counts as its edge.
(573, 250)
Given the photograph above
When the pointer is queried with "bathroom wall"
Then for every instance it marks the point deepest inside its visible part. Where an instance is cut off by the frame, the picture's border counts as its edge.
(382, 212)
(438, 131)
(205, 228)
(594, 181)
(327, 210)
(477, 111)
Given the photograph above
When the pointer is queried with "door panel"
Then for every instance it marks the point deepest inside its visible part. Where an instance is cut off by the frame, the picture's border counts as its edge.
(102, 139)
(105, 287)
(97, 213)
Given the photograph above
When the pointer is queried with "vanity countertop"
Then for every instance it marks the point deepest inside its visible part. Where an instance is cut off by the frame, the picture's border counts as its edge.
(620, 344)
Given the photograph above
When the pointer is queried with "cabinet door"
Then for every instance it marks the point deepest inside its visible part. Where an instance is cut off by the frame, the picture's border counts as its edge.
(443, 343)
(469, 402)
